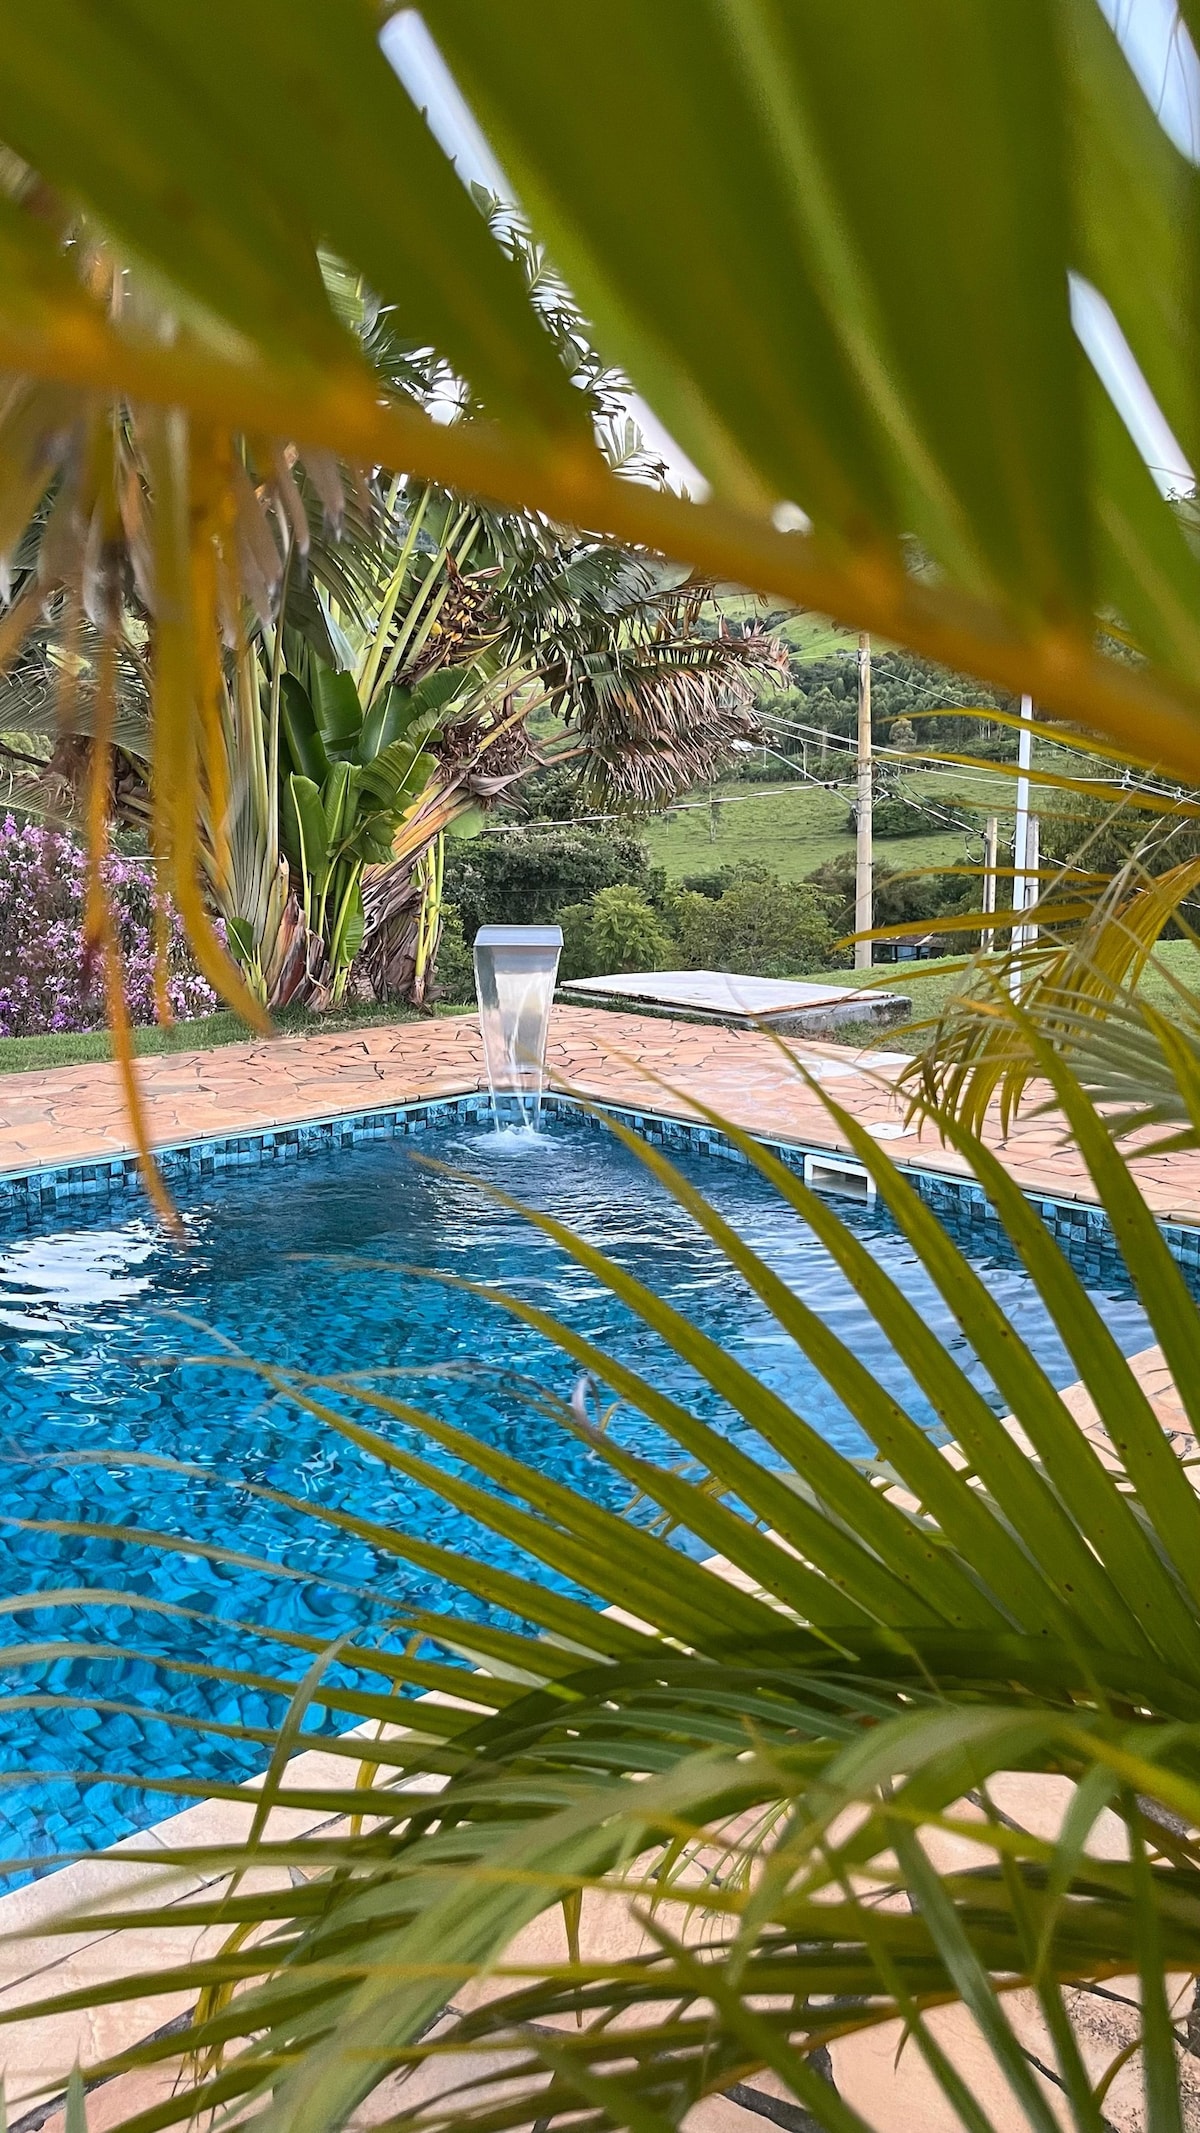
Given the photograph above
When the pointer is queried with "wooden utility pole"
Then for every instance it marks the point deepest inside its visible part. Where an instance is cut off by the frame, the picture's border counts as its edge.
(864, 857)
(991, 845)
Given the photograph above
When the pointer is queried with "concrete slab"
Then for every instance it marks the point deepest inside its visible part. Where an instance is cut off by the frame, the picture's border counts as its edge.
(788, 1004)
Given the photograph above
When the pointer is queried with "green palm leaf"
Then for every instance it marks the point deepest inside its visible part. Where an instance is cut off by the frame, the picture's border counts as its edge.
(876, 329)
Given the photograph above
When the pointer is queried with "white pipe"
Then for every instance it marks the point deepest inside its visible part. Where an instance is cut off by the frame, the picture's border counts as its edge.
(864, 853)
(1021, 833)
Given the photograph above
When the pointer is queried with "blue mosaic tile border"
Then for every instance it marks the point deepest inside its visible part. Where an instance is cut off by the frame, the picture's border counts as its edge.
(960, 1204)
(36, 1192)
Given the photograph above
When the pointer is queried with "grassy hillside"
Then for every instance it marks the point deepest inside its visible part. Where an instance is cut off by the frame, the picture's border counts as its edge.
(794, 828)
(808, 636)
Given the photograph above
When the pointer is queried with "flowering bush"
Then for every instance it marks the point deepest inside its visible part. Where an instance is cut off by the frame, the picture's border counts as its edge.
(44, 981)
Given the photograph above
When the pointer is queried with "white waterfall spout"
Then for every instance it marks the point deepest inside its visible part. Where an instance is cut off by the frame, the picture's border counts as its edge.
(516, 968)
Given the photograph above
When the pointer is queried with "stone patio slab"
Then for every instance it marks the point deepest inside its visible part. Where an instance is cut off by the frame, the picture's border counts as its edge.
(789, 1004)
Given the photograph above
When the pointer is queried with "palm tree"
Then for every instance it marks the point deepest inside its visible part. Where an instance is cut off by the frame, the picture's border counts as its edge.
(648, 691)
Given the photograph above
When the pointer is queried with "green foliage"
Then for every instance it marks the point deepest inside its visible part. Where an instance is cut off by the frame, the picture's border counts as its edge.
(1103, 833)
(618, 929)
(455, 964)
(577, 959)
(759, 927)
(714, 881)
(895, 816)
(627, 933)
(824, 693)
(348, 776)
(553, 794)
(902, 898)
(527, 876)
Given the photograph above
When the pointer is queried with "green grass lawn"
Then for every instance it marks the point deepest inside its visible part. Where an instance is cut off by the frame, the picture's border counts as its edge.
(20, 1054)
(790, 831)
(809, 636)
(930, 985)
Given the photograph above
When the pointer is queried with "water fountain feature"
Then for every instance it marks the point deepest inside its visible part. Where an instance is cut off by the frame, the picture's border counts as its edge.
(515, 972)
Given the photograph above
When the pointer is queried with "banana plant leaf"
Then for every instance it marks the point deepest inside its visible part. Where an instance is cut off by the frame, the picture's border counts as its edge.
(305, 827)
(300, 732)
(338, 712)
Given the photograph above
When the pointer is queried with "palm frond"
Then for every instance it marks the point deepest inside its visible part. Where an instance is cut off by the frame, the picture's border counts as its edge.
(1076, 958)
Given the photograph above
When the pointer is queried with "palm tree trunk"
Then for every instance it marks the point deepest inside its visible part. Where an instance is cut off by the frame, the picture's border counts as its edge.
(390, 958)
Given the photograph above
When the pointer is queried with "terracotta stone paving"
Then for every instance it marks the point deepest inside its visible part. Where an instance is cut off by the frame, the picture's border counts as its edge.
(75, 1114)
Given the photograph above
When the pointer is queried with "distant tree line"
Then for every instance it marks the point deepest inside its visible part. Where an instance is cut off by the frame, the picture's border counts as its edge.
(618, 912)
(822, 694)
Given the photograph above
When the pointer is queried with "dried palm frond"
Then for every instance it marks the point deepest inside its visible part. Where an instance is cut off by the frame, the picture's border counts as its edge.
(658, 711)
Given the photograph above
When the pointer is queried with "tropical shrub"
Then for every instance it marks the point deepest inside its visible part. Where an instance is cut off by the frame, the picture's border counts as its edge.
(619, 929)
(627, 932)
(350, 771)
(576, 960)
(522, 877)
(761, 927)
(46, 981)
(455, 963)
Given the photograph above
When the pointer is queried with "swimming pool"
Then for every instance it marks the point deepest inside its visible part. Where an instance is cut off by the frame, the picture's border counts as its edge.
(100, 1312)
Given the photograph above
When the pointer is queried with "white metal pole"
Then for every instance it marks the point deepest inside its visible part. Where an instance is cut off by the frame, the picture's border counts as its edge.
(991, 840)
(864, 867)
(1021, 832)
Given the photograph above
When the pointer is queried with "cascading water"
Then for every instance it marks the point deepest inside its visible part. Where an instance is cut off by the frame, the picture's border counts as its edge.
(516, 968)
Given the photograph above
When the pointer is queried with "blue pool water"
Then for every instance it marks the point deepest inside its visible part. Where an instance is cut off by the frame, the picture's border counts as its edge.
(95, 1369)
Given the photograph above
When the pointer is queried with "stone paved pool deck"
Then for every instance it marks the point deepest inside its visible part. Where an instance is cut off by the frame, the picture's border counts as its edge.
(76, 1114)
